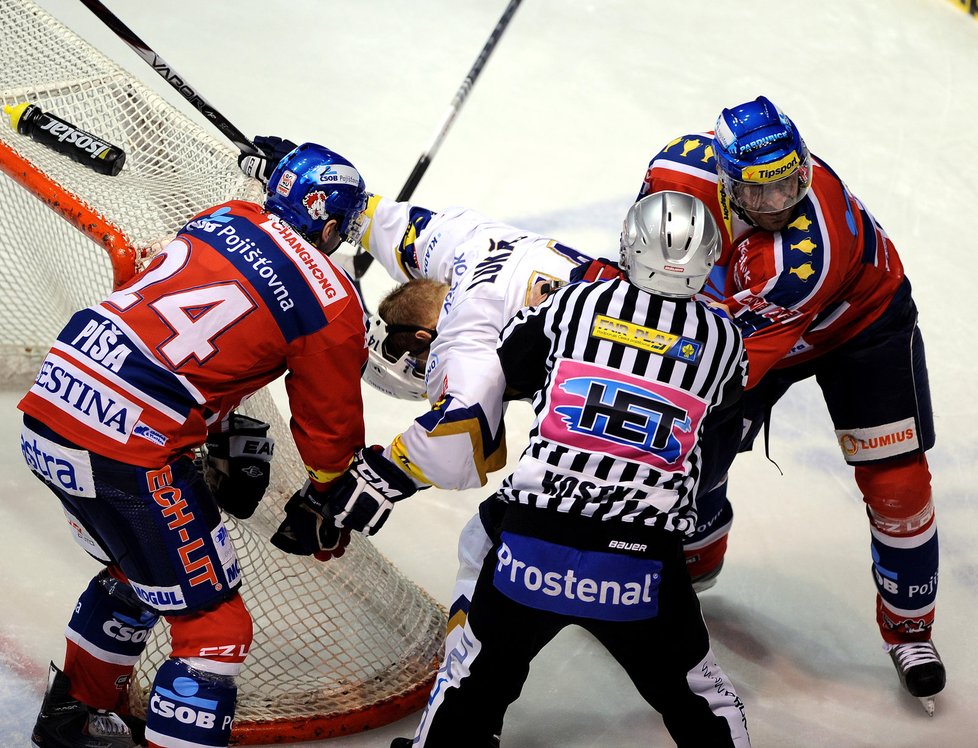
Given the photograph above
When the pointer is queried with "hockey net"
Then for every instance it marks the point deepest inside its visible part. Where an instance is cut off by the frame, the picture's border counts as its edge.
(339, 647)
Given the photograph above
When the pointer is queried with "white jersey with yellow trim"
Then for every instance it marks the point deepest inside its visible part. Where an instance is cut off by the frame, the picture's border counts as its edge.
(491, 269)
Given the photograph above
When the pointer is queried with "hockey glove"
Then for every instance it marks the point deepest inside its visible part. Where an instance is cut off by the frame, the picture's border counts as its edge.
(596, 270)
(362, 498)
(261, 167)
(237, 465)
(306, 531)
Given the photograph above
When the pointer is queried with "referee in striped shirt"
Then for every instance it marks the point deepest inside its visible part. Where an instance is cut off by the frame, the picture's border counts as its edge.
(634, 383)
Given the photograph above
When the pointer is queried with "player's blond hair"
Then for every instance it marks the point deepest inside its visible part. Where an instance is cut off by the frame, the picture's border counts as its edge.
(416, 302)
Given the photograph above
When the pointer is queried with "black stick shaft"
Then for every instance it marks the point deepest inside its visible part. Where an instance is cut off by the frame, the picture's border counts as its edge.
(162, 67)
(422, 166)
(362, 260)
(412, 181)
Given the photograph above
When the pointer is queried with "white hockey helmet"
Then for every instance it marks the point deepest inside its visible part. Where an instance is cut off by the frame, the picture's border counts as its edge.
(669, 244)
(398, 376)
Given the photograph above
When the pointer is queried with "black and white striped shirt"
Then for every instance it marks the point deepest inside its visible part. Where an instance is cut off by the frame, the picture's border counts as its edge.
(621, 381)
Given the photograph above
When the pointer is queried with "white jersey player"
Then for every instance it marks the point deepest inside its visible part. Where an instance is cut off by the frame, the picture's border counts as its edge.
(490, 271)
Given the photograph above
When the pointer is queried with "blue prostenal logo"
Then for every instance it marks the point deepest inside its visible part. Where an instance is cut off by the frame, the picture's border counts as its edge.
(569, 581)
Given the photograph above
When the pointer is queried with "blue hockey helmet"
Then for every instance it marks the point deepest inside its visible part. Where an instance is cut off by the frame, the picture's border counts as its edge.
(763, 162)
(312, 185)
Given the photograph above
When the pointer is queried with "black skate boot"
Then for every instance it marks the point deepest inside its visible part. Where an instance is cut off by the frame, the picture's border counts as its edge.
(408, 742)
(65, 722)
(705, 581)
(920, 669)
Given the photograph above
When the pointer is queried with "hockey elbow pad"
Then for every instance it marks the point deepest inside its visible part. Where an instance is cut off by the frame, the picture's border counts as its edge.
(237, 465)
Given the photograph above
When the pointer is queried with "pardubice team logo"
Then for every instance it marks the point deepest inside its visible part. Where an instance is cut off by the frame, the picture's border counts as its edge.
(315, 201)
(315, 204)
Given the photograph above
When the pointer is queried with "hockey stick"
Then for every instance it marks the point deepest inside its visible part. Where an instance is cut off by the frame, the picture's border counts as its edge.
(168, 74)
(362, 260)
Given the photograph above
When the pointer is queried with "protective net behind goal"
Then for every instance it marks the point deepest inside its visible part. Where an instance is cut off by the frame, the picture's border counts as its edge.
(339, 647)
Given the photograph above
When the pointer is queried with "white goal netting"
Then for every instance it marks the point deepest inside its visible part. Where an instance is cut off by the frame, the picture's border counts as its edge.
(339, 646)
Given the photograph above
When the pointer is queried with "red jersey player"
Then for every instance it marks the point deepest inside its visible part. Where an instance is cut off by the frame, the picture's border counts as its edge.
(133, 384)
(818, 289)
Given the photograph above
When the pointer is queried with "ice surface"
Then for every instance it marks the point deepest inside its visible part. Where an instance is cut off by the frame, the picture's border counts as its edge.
(555, 137)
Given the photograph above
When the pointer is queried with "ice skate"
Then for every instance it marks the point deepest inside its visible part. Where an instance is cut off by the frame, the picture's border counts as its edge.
(408, 742)
(705, 581)
(65, 722)
(920, 669)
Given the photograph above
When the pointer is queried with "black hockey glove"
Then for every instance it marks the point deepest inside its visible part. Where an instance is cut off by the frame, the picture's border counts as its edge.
(306, 531)
(261, 167)
(237, 465)
(362, 498)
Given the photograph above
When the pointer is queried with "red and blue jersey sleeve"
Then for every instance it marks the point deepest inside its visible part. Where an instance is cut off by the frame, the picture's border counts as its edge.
(323, 385)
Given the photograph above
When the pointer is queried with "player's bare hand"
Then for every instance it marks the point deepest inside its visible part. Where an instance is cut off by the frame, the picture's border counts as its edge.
(541, 290)
(720, 308)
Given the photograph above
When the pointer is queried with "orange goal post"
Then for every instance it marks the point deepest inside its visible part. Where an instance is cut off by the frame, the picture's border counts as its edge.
(339, 647)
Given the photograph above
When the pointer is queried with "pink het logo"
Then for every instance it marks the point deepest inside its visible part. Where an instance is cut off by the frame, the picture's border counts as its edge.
(599, 410)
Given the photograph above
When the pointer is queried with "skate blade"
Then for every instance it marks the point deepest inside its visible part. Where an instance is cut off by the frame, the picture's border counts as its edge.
(928, 703)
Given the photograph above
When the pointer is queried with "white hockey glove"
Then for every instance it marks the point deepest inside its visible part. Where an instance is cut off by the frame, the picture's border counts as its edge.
(307, 531)
(362, 498)
(237, 465)
(261, 167)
